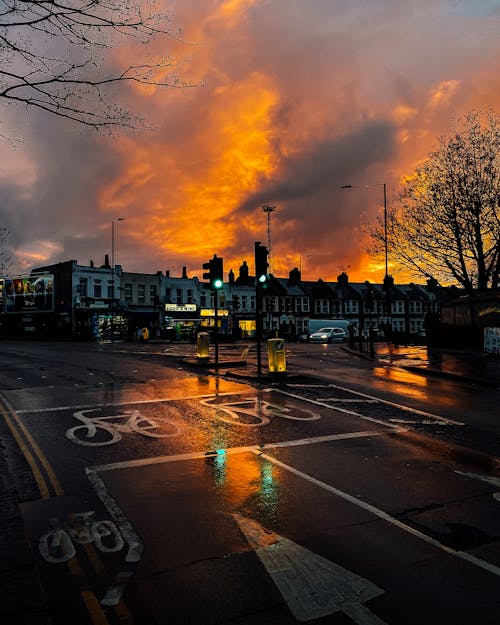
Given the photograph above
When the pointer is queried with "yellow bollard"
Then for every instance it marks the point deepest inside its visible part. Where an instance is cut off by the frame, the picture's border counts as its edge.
(202, 352)
(276, 355)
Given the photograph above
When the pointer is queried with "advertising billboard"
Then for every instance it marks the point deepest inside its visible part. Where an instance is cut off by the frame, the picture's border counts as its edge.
(22, 294)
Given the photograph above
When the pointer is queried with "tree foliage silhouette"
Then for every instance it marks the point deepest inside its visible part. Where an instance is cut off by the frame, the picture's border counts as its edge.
(446, 224)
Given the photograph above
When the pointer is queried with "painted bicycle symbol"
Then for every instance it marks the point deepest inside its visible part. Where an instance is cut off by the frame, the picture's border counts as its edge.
(108, 430)
(254, 412)
(58, 544)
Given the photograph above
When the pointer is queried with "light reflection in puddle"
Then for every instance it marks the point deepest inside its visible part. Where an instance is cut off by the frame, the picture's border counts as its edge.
(166, 388)
(414, 385)
(247, 482)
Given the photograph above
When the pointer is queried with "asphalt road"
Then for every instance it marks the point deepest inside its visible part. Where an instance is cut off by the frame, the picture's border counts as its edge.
(155, 492)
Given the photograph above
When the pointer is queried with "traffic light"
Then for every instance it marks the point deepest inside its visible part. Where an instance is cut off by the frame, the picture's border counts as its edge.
(215, 273)
(261, 264)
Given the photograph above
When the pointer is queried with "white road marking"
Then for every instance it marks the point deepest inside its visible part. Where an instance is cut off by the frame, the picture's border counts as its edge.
(115, 593)
(317, 402)
(312, 586)
(422, 413)
(256, 408)
(126, 464)
(351, 401)
(135, 402)
(487, 566)
(135, 546)
(495, 481)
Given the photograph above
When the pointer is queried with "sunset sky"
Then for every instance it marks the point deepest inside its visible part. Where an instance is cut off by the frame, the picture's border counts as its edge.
(296, 98)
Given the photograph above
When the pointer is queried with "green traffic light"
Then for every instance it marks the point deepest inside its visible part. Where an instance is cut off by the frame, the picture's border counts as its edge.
(218, 283)
(263, 278)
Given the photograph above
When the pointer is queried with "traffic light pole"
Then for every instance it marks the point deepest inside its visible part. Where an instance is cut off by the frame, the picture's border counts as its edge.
(258, 326)
(216, 329)
(215, 276)
(261, 279)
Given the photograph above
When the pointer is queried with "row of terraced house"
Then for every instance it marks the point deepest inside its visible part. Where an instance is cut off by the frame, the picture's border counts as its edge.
(69, 300)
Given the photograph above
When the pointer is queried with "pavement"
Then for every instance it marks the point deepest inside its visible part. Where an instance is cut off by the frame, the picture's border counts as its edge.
(22, 598)
(466, 365)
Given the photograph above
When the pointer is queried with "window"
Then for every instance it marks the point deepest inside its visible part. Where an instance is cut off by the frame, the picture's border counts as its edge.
(97, 288)
(128, 293)
(152, 293)
(252, 302)
(190, 296)
(398, 325)
(416, 307)
(351, 306)
(110, 291)
(321, 306)
(179, 296)
(168, 295)
(244, 302)
(82, 287)
(141, 293)
(203, 300)
(398, 307)
(302, 304)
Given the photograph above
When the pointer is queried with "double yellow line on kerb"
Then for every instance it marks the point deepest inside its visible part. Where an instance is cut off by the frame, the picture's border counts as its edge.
(49, 486)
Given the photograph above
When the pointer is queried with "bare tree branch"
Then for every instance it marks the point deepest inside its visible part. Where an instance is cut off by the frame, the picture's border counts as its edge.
(49, 56)
(447, 223)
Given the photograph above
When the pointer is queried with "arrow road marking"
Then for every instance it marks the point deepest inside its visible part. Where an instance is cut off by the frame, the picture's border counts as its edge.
(311, 585)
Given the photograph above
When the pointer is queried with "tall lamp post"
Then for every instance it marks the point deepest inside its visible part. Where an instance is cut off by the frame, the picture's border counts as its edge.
(113, 276)
(386, 279)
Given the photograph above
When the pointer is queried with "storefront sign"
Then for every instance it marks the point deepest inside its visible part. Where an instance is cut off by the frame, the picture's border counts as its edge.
(210, 312)
(180, 307)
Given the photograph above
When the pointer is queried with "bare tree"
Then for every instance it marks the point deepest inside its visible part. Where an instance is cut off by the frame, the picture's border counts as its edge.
(447, 221)
(50, 49)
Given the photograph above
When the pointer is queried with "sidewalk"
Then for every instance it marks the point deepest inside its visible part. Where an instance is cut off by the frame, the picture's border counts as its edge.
(470, 366)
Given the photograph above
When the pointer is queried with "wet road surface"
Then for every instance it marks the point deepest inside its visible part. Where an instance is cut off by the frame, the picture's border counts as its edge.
(169, 497)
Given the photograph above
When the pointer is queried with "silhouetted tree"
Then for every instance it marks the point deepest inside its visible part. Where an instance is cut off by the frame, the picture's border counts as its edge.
(447, 221)
(50, 49)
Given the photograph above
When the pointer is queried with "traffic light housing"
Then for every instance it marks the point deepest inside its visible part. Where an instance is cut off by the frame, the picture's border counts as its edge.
(261, 265)
(215, 273)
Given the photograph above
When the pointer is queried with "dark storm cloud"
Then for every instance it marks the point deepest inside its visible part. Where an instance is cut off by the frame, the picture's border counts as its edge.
(299, 98)
(325, 166)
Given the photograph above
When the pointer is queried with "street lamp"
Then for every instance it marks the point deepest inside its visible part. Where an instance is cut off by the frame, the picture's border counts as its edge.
(113, 276)
(376, 184)
(386, 279)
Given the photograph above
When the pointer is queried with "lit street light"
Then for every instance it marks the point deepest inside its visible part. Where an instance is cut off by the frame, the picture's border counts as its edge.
(376, 184)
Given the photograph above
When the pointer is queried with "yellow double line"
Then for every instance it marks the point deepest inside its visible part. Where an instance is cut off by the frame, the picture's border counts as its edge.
(49, 486)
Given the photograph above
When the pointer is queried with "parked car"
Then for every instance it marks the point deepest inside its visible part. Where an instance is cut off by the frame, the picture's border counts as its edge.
(328, 335)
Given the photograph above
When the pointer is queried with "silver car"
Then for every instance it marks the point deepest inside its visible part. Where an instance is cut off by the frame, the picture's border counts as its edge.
(328, 335)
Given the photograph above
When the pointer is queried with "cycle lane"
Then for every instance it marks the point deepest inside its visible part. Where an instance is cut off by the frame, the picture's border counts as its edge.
(221, 430)
(59, 524)
(199, 556)
(218, 522)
